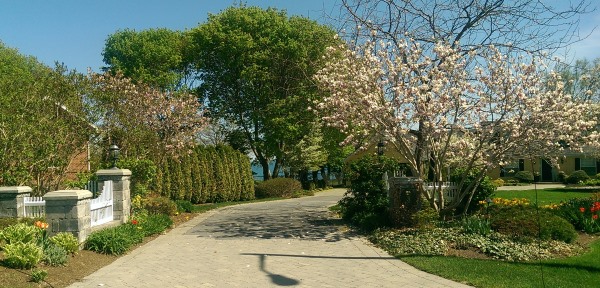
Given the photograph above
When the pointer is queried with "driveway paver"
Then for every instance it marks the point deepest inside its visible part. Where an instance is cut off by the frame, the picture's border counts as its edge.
(292, 242)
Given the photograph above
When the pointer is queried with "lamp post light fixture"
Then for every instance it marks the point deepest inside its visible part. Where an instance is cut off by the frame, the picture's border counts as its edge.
(113, 153)
(380, 148)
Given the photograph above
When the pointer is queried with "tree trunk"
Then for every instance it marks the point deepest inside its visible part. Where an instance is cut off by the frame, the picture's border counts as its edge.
(325, 175)
(265, 168)
(276, 168)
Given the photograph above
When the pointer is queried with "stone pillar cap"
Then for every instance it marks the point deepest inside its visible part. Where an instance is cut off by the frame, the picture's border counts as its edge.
(15, 190)
(114, 172)
(68, 195)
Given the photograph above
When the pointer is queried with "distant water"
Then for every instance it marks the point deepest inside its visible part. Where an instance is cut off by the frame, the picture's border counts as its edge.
(257, 172)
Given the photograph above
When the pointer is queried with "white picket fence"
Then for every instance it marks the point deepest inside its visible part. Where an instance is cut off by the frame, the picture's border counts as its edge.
(101, 208)
(449, 188)
(35, 207)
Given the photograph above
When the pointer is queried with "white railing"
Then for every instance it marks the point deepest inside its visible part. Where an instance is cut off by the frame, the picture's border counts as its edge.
(449, 188)
(102, 206)
(35, 207)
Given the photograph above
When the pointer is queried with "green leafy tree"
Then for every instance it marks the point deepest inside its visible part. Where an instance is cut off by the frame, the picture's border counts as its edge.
(256, 67)
(153, 56)
(42, 121)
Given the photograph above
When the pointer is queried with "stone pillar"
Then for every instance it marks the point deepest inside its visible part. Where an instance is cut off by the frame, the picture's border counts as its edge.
(69, 211)
(11, 201)
(121, 193)
(405, 200)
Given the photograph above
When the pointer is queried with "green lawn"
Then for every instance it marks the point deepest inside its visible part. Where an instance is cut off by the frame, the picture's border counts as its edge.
(582, 271)
(545, 196)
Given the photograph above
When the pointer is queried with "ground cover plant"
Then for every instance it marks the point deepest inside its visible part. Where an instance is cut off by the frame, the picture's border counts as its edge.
(509, 243)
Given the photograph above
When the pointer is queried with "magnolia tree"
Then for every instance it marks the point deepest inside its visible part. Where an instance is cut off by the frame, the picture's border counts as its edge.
(439, 111)
(145, 121)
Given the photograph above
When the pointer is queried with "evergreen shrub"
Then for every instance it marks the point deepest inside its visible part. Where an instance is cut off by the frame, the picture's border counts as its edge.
(524, 176)
(206, 174)
(278, 187)
(366, 202)
(525, 222)
(576, 177)
(160, 205)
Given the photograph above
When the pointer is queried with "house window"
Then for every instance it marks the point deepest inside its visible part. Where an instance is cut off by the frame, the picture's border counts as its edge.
(510, 169)
(588, 165)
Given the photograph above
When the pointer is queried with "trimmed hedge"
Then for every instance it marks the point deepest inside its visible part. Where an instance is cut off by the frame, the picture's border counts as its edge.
(206, 175)
(522, 222)
(278, 187)
(577, 176)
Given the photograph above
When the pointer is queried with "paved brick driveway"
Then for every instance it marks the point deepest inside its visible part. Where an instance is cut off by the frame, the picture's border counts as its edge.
(280, 243)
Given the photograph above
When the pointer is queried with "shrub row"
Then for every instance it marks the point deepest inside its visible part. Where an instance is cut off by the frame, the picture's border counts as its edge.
(207, 174)
(278, 187)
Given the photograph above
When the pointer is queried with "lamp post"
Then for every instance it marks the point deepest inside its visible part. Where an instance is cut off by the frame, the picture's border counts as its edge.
(113, 153)
(380, 148)
(380, 151)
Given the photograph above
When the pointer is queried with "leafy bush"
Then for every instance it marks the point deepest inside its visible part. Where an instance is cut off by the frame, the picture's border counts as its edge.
(160, 205)
(562, 177)
(426, 218)
(20, 233)
(154, 224)
(22, 255)
(582, 213)
(278, 187)
(82, 179)
(184, 206)
(485, 189)
(54, 255)
(38, 275)
(576, 177)
(115, 240)
(521, 222)
(67, 241)
(524, 176)
(143, 173)
(592, 182)
(366, 202)
(498, 182)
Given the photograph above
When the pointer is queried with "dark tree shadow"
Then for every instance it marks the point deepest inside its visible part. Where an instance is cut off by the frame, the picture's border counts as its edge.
(307, 220)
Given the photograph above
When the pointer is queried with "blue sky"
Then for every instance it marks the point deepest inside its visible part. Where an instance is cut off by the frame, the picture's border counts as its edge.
(73, 31)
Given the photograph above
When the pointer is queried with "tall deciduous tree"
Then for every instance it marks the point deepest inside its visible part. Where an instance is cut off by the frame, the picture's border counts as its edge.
(582, 79)
(146, 122)
(256, 68)
(534, 26)
(417, 76)
(433, 112)
(42, 121)
(154, 56)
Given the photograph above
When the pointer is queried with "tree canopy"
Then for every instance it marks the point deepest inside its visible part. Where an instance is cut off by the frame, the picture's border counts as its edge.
(155, 57)
(256, 67)
(42, 121)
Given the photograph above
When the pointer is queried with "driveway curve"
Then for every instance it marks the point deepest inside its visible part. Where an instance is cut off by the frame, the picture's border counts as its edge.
(293, 242)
